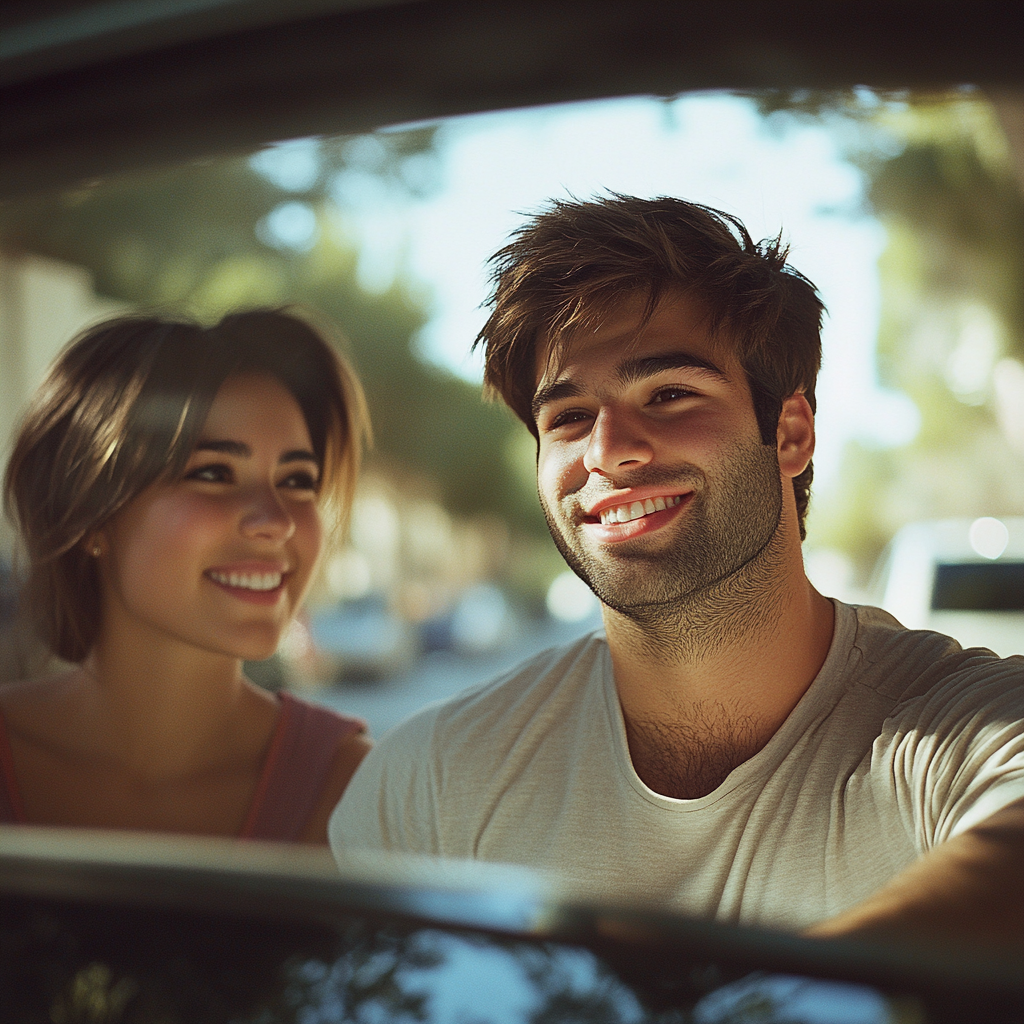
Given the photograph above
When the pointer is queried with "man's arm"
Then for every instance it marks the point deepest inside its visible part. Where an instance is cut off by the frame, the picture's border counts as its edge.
(970, 887)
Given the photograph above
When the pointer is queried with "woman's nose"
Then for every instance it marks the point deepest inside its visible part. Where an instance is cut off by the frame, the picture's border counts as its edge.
(267, 516)
(616, 442)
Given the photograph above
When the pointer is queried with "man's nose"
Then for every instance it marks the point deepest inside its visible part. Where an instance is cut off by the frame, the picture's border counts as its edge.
(267, 516)
(616, 441)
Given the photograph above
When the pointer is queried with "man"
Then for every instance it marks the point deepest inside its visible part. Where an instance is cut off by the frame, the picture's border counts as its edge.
(737, 745)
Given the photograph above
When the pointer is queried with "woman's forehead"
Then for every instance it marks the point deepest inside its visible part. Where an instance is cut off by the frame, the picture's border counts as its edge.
(255, 403)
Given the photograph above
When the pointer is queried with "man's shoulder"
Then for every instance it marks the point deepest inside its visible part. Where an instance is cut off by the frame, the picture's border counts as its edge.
(903, 663)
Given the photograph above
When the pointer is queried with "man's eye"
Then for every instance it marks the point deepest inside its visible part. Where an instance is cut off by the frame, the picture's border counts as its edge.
(671, 394)
(567, 417)
(214, 473)
(301, 481)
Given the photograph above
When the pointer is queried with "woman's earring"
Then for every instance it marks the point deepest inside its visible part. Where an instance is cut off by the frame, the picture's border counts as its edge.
(96, 551)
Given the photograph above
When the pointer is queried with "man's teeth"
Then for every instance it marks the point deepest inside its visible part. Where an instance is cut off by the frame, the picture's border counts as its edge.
(248, 580)
(636, 509)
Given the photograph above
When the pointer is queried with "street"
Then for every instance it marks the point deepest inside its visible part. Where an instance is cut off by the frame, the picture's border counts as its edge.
(440, 674)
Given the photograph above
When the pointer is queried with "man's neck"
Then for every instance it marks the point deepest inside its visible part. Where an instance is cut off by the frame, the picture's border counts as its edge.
(705, 684)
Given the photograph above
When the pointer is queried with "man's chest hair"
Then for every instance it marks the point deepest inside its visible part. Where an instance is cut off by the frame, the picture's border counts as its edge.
(692, 755)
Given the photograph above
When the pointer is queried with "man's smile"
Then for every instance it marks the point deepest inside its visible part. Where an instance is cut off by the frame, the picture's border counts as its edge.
(636, 509)
(614, 519)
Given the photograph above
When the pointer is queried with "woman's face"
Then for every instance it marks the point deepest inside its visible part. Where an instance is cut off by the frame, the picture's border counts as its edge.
(221, 558)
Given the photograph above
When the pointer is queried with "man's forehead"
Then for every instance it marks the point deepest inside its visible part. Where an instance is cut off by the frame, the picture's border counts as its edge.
(679, 323)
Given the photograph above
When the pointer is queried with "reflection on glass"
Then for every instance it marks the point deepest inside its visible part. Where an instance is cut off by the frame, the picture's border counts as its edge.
(111, 965)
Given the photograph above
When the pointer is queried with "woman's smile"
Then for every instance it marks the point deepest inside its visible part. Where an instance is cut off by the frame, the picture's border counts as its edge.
(256, 583)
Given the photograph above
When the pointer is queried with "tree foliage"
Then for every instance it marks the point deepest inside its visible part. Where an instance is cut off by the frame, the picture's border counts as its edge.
(194, 239)
(942, 182)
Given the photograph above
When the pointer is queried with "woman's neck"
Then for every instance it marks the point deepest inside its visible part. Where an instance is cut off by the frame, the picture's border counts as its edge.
(167, 709)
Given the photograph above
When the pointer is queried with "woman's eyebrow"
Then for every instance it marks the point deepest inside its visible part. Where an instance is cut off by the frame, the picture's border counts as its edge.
(239, 448)
(299, 455)
(243, 451)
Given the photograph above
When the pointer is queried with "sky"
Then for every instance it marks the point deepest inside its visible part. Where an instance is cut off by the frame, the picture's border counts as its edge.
(494, 169)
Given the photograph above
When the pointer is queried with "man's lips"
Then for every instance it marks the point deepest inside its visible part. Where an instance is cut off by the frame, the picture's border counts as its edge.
(633, 503)
(633, 514)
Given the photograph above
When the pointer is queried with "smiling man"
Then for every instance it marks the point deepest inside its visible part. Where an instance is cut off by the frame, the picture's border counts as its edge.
(735, 745)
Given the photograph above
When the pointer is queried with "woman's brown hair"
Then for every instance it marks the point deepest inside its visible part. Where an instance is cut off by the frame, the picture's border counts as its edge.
(122, 407)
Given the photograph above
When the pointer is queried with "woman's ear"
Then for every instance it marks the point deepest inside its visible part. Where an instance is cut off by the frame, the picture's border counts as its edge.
(795, 435)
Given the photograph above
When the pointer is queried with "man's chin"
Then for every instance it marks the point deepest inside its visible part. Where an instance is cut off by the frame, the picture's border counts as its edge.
(625, 589)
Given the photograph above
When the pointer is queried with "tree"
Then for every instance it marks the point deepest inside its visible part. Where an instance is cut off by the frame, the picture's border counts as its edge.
(942, 182)
(212, 235)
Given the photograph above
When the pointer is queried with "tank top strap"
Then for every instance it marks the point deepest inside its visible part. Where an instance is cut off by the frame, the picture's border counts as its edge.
(12, 811)
(296, 768)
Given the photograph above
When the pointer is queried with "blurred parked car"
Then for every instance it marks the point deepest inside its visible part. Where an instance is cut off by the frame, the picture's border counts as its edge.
(963, 577)
(480, 622)
(363, 639)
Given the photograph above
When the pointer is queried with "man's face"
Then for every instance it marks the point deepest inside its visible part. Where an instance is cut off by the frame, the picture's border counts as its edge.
(651, 470)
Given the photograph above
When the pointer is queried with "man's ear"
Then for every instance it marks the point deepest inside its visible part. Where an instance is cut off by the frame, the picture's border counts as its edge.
(795, 435)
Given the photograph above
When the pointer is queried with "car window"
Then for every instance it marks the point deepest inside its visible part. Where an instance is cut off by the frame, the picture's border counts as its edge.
(979, 586)
(77, 962)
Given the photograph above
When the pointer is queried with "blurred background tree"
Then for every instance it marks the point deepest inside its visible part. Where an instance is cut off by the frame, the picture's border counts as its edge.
(951, 334)
(211, 236)
(941, 180)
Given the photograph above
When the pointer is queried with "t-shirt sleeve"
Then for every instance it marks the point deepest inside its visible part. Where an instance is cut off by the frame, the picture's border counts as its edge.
(961, 749)
(391, 801)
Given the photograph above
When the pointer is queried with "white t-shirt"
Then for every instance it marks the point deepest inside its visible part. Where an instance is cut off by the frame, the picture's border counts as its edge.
(902, 741)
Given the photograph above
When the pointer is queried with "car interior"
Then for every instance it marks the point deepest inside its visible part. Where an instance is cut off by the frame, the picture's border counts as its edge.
(109, 928)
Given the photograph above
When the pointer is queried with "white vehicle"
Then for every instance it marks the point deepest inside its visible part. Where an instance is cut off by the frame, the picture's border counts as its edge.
(962, 577)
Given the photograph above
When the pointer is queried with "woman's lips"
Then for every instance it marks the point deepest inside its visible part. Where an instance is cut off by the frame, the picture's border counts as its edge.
(254, 584)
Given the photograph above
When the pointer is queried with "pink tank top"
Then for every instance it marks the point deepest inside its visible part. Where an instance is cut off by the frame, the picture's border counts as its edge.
(296, 768)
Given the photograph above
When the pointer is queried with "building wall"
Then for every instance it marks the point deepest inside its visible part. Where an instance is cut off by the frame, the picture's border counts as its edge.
(43, 304)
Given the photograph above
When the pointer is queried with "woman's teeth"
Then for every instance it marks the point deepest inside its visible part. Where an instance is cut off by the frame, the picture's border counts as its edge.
(248, 580)
(636, 509)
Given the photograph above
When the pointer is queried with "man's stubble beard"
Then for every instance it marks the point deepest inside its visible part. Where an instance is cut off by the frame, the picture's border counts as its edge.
(721, 579)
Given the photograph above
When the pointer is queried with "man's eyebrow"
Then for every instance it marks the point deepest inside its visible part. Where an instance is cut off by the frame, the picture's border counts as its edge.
(632, 370)
(629, 372)
(554, 392)
(241, 450)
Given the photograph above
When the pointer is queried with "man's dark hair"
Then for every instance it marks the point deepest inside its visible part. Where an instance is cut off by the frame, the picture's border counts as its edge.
(574, 261)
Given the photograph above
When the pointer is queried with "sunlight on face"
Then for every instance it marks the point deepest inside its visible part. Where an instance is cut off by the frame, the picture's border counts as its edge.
(221, 558)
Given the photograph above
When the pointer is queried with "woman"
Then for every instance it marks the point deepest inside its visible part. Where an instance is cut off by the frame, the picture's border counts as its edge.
(171, 484)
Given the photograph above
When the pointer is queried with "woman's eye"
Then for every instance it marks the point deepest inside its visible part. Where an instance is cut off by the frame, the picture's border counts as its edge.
(301, 481)
(210, 474)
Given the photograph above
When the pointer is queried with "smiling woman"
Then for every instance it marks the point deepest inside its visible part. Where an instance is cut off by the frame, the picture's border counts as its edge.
(171, 484)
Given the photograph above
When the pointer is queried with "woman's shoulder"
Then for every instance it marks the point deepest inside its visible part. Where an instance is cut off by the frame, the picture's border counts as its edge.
(314, 752)
(348, 755)
(346, 740)
(28, 702)
(308, 715)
